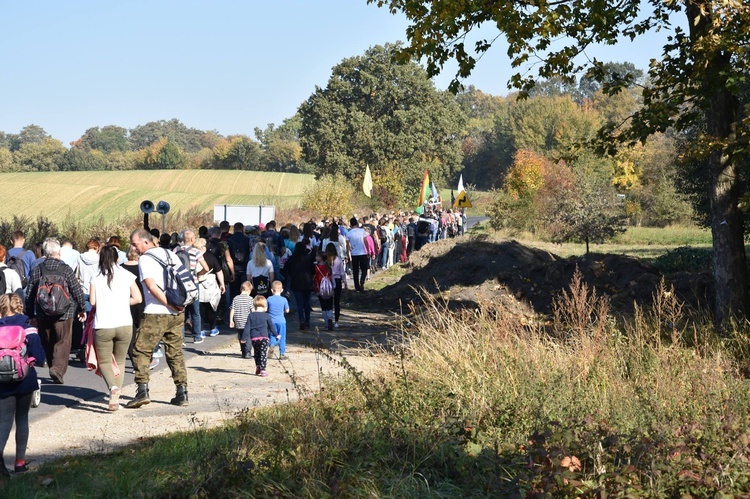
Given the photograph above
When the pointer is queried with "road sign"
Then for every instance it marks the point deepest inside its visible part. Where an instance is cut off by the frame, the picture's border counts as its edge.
(462, 201)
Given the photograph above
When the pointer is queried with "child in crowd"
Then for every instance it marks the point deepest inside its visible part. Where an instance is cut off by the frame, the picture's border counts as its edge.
(370, 248)
(322, 270)
(242, 305)
(277, 307)
(258, 329)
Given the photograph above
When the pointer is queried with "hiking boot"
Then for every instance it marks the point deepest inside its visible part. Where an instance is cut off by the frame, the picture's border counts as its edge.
(56, 377)
(330, 325)
(243, 350)
(181, 397)
(141, 397)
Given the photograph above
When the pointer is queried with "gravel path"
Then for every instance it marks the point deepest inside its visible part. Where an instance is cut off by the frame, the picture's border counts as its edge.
(221, 384)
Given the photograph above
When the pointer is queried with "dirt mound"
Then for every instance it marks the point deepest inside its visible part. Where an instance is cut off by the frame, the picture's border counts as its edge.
(527, 280)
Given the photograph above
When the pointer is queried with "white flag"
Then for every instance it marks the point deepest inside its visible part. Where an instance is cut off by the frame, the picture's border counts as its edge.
(367, 183)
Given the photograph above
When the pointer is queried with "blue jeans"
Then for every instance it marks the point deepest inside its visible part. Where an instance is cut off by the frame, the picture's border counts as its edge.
(302, 298)
(384, 255)
(193, 314)
(281, 331)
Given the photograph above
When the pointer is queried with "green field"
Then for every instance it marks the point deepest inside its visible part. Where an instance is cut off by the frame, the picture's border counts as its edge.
(86, 196)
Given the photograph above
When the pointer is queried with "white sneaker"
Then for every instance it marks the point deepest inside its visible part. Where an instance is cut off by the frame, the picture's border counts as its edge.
(335, 325)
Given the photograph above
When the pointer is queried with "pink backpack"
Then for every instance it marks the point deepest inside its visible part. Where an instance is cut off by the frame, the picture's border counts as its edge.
(14, 361)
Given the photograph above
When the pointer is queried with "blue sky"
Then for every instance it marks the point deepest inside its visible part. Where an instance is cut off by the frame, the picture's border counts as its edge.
(220, 65)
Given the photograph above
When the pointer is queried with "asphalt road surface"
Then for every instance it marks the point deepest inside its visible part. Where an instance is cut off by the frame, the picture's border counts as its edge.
(82, 384)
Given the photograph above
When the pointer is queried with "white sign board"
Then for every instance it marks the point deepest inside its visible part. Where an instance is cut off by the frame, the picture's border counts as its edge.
(248, 215)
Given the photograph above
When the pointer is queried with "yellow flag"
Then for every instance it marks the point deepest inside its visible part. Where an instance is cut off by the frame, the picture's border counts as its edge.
(367, 184)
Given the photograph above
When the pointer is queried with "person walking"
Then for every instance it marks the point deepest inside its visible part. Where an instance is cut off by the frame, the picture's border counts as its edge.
(198, 267)
(242, 305)
(277, 307)
(25, 257)
(55, 328)
(161, 322)
(88, 266)
(258, 329)
(260, 270)
(338, 271)
(211, 286)
(301, 272)
(239, 250)
(112, 292)
(360, 260)
(16, 397)
(12, 279)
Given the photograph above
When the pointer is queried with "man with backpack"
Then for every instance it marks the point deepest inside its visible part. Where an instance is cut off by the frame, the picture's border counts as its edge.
(191, 255)
(161, 321)
(55, 297)
(20, 259)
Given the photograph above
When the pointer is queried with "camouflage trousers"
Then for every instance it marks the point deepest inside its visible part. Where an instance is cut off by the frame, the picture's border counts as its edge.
(155, 328)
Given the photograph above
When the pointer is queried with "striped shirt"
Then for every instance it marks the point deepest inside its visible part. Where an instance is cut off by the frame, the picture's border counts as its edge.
(242, 306)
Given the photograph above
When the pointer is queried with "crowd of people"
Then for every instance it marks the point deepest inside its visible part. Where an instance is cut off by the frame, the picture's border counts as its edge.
(246, 276)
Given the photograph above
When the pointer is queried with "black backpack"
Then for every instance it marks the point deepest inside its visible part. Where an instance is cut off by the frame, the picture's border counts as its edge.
(239, 251)
(218, 249)
(52, 295)
(16, 263)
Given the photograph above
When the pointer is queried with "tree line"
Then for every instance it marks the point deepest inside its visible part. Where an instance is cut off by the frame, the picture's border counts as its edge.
(156, 145)
(389, 116)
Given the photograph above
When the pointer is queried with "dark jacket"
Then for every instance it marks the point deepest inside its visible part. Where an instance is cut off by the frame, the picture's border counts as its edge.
(259, 324)
(300, 270)
(239, 244)
(33, 349)
(74, 288)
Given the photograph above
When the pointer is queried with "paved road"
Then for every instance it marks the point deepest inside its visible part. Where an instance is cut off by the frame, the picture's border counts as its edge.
(472, 221)
(82, 384)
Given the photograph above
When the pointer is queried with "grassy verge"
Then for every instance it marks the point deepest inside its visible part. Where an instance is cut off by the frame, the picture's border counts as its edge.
(647, 243)
(476, 404)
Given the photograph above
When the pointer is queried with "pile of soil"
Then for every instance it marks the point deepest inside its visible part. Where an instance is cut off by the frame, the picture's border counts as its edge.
(525, 280)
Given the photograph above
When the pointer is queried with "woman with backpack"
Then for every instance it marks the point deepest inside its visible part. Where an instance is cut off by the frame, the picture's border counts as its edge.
(260, 270)
(112, 291)
(16, 396)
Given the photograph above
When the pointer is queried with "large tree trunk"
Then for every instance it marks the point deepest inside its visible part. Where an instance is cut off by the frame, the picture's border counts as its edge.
(730, 268)
(727, 229)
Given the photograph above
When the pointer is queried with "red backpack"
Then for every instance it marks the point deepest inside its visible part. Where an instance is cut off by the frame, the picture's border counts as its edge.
(14, 360)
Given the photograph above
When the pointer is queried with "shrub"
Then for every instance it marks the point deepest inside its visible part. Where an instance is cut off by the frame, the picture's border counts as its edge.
(329, 196)
(685, 259)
